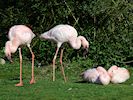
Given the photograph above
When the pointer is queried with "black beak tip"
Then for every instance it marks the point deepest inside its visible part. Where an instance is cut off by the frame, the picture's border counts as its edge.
(85, 53)
(10, 59)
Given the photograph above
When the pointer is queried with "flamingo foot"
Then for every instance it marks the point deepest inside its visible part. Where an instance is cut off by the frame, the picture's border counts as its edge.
(19, 84)
(32, 81)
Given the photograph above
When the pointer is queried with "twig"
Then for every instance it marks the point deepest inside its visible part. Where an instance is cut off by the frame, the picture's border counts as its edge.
(127, 62)
(76, 20)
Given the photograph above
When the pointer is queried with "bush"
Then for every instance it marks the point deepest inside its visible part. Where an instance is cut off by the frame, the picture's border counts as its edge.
(106, 24)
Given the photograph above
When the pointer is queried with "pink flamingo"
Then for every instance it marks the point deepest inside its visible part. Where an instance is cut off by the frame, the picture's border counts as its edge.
(118, 74)
(96, 75)
(20, 35)
(61, 34)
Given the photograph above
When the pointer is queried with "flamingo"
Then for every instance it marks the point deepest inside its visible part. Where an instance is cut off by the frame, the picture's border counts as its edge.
(118, 74)
(96, 75)
(20, 35)
(64, 33)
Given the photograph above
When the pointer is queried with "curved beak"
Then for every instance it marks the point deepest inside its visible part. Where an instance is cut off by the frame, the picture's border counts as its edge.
(85, 53)
(9, 58)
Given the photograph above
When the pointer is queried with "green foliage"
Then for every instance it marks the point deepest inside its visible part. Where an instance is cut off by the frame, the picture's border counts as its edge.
(107, 25)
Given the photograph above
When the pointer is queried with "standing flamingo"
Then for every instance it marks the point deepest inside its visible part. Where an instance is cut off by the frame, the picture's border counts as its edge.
(118, 74)
(61, 34)
(96, 75)
(20, 35)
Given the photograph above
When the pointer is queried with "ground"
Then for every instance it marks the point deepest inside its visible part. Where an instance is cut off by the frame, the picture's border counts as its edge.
(46, 89)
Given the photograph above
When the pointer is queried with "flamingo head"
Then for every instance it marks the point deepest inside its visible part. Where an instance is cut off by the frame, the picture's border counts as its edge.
(85, 44)
(8, 50)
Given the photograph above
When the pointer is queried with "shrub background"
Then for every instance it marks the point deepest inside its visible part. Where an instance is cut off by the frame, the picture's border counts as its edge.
(107, 25)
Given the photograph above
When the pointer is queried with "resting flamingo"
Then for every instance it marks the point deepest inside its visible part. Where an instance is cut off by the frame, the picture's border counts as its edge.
(96, 75)
(64, 33)
(118, 74)
(20, 35)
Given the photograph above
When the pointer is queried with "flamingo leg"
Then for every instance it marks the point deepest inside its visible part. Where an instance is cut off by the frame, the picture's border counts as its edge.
(32, 76)
(21, 82)
(62, 68)
(54, 63)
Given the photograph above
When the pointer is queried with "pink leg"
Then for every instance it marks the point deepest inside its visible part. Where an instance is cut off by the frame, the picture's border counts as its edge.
(54, 63)
(21, 82)
(62, 68)
(32, 77)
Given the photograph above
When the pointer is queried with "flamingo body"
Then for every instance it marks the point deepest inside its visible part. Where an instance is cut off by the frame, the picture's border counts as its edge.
(118, 74)
(96, 75)
(64, 33)
(19, 35)
(22, 33)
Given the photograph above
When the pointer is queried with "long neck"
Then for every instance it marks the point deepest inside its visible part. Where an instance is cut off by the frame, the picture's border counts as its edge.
(76, 42)
(14, 46)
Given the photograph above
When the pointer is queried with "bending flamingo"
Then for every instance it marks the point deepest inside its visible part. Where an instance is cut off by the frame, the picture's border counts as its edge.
(118, 74)
(61, 34)
(20, 35)
(96, 75)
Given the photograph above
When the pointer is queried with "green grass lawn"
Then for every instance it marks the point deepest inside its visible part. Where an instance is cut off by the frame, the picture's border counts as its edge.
(45, 89)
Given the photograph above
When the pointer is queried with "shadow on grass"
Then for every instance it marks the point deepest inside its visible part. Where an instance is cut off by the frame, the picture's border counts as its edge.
(85, 82)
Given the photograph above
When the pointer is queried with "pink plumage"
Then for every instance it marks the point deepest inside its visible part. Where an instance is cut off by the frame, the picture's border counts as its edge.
(20, 35)
(96, 75)
(64, 33)
(118, 74)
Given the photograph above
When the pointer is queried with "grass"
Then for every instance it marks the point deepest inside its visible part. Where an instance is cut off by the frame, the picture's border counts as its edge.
(45, 89)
